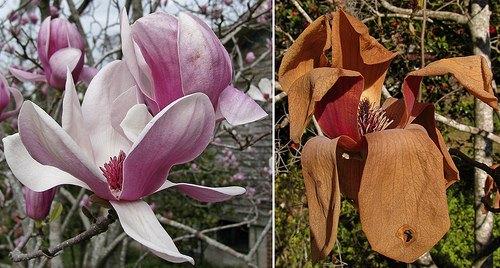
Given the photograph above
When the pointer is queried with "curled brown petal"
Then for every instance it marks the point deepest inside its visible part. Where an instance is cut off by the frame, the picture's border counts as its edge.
(402, 197)
(306, 53)
(311, 88)
(423, 114)
(472, 72)
(323, 194)
(354, 49)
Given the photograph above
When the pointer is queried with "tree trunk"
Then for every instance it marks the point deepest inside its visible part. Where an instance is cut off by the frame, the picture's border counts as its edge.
(479, 28)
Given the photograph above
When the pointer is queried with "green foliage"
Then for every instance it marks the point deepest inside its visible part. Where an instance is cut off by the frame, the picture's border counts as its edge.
(56, 212)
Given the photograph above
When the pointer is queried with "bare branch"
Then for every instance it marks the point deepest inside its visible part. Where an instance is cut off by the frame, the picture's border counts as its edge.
(100, 226)
(473, 130)
(440, 15)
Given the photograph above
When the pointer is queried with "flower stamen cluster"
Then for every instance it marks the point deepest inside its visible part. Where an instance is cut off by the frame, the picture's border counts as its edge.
(371, 118)
(113, 171)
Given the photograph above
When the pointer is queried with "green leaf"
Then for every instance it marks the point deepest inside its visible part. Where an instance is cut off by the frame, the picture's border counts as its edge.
(56, 213)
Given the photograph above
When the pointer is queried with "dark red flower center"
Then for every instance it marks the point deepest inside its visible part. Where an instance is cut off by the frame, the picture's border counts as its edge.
(371, 118)
(113, 171)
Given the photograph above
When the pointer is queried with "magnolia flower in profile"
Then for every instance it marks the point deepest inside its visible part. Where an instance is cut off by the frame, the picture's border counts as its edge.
(5, 98)
(59, 46)
(390, 162)
(112, 146)
(173, 57)
(261, 93)
(38, 203)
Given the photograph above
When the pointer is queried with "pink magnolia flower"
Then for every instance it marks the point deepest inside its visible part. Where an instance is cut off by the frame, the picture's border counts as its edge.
(38, 203)
(113, 147)
(5, 92)
(173, 57)
(59, 46)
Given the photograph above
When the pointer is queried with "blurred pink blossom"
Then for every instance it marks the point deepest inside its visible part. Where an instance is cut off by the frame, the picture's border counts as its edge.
(85, 201)
(153, 207)
(33, 17)
(14, 16)
(228, 2)
(217, 140)
(23, 21)
(250, 57)
(54, 11)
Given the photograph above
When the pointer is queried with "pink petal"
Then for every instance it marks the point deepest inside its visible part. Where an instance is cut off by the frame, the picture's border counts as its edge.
(204, 62)
(88, 74)
(156, 36)
(27, 77)
(176, 135)
(31, 173)
(50, 145)
(135, 61)
(38, 203)
(109, 83)
(203, 193)
(72, 118)
(18, 100)
(140, 223)
(42, 41)
(238, 108)
(4, 94)
(59, 62)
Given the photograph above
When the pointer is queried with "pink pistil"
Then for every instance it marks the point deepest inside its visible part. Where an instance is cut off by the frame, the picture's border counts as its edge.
(113, 171)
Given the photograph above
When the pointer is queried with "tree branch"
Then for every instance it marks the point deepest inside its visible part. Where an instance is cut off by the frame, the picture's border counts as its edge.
(440, 15)
(100, 226)
(461, 127)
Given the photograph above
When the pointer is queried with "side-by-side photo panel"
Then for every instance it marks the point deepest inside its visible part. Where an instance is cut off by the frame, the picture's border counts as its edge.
(136, 133)
(385, 134)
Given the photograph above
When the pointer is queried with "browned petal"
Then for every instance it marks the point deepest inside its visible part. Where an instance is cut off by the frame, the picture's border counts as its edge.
(488, 193)
(307, 52)
(309, 89)
(354, 49)
(472, 72)
(323, 195)
(395, 109)
(402, 197)
(350, 167)
(423, 114)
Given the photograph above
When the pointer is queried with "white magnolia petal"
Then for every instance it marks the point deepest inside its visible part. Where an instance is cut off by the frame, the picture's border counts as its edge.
(72, 118)
(140, 223)
(135, 121)
(108, 84)
(31, 173)
(255, 93)
(204, 193)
